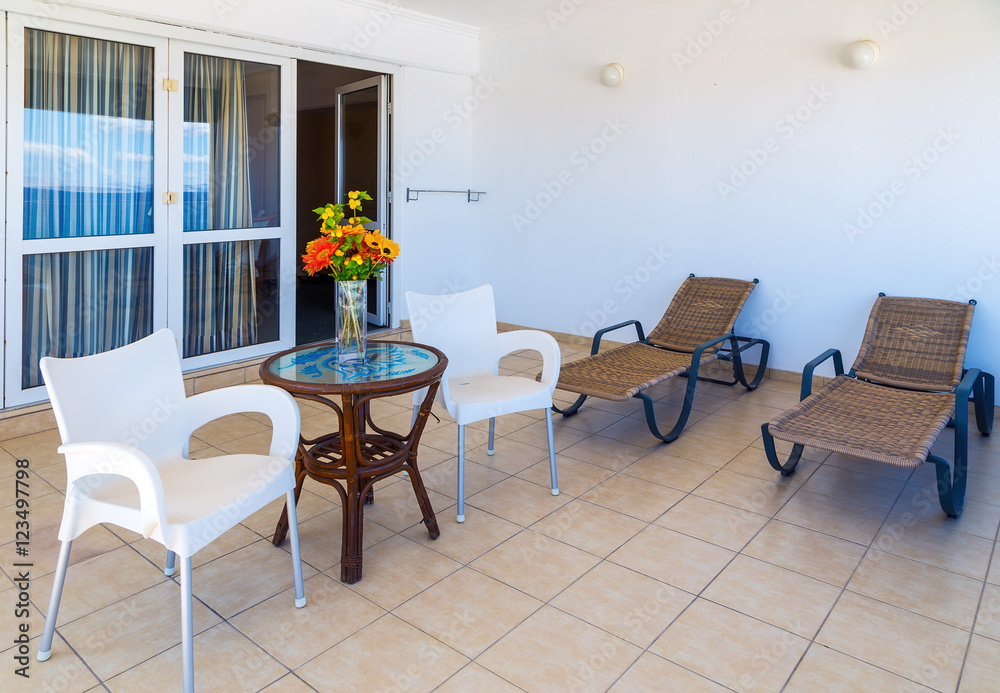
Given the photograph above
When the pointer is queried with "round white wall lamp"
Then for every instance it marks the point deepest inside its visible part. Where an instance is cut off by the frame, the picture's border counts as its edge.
(861, 54)
(612, 75)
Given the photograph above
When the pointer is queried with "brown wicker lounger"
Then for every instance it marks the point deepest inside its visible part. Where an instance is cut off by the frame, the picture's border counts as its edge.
(907, 384)
(694, 331)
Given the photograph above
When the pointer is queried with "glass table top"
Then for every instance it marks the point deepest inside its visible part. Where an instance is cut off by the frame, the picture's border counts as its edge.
(385, 361)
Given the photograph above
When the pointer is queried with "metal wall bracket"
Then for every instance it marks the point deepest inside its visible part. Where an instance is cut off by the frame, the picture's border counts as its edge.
(412, 194)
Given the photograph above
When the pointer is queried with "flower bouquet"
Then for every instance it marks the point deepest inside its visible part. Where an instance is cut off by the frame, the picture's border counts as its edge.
(352, 255)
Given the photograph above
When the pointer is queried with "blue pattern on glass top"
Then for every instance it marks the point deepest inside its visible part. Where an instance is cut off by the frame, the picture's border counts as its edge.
(385, 361)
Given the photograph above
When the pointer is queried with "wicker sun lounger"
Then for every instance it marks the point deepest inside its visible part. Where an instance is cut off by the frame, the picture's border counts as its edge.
(906, 385)
(696, 329)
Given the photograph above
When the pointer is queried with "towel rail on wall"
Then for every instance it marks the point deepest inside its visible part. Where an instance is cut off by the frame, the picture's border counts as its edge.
(412, 194)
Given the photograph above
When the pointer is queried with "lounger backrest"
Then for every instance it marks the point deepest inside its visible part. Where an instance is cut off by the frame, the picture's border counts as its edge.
(703, 308)
(916, 343)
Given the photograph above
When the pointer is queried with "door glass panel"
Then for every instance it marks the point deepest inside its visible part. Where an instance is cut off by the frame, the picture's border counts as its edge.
(231, 146)
(82, 303)
(88, 137)
(359, 139)
(230, 295)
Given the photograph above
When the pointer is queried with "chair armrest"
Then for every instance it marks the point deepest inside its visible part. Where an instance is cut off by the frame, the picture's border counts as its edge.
(807, 372)
(595, 347)
(277, 404)
(536, 340)
(86, 459)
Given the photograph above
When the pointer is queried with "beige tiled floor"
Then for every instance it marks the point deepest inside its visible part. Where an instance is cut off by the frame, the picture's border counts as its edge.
(683, 567)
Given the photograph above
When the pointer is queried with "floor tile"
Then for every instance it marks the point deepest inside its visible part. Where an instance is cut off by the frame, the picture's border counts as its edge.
(654, 674)
(468, 611)
(791, 601)
(753, 462)
(606, 452)
(707, 449)
(716, 523)
(245, 577)
(321, 538)
(418, 662)
(473, 677)
(731, 648)
(937, 545)
(855, 487)
(127, 633)
(466, 541)
(633, 496)
(850, 521)
(98, 582)
(64, 672)
(628, 604)
(293, 636)
(824, 669)
(535, 564)
(902, 642)
(43, 549)
(988, 618)
(982, 666)
(676, 559)
(517, 500)
(396, 569)
(590, 527)
(746, 492)
(512, 457)
(920, 500)
(442, 478)
(663, 468)
(933, 592)
(553, 651)
(817, 555)
(575, 477)
(224, 660)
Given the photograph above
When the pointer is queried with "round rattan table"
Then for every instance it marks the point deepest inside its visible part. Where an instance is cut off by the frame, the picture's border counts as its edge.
(360, 453)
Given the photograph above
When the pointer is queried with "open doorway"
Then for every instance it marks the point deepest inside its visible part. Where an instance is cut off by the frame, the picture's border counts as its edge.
(342, 145)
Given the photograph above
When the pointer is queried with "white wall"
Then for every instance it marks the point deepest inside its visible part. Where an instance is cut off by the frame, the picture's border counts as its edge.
(605, 203)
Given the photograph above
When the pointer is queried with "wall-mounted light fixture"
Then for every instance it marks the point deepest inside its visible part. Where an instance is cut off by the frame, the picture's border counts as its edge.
(861, 54)
(612, 75)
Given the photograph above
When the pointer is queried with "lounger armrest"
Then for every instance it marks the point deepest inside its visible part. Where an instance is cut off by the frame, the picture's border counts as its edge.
(600, 333)
(807, 372)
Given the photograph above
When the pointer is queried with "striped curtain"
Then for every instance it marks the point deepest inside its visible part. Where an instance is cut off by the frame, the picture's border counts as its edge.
(219, 278)
(87, 172)
(88, 137)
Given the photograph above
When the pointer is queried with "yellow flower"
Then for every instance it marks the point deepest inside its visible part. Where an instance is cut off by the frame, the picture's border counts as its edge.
(353, 195)
(354, 204)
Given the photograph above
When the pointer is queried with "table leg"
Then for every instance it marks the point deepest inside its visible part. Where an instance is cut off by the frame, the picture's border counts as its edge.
(430, 520)
(350, 557)
(281, 529)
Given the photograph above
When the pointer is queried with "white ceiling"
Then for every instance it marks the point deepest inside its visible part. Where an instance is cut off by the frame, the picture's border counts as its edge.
(491, 15)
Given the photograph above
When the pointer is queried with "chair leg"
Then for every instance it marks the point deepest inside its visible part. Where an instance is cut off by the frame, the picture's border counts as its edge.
(169, 569)
(489, 448)
(552, 452)
(950, 484)
(983, 396)
(187, 626)
(571, 409)
(461, 474)
(772, 454)
(671, 436)
(45, 648)
(293, 531)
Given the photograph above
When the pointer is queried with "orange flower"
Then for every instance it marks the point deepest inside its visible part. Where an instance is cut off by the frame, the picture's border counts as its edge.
(389, 250)
(318, 252)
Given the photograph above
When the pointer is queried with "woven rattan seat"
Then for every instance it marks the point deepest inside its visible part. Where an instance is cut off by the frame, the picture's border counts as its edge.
(696, 329)
(907, 384)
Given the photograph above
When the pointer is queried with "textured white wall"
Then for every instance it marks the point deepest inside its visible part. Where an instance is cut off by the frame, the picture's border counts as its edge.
(739, 145)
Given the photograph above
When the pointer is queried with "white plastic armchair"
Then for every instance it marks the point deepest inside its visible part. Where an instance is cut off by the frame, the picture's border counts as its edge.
(464, 327)
(125, 423)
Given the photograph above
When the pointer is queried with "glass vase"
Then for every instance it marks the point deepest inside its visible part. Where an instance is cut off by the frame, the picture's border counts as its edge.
(352, 320)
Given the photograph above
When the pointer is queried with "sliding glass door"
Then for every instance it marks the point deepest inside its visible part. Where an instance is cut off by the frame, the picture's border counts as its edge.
(137, 202)
(226, 247)
(86, 243)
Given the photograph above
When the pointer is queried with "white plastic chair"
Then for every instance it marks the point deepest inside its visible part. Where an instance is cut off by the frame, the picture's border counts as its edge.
(125, 423)
(464, 327)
